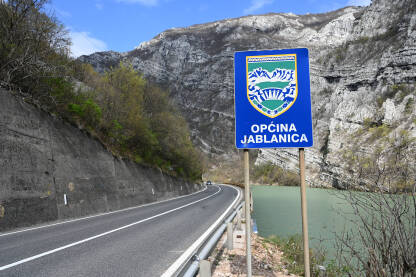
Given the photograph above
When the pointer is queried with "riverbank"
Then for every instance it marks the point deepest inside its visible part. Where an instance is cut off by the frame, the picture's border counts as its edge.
(267, 260)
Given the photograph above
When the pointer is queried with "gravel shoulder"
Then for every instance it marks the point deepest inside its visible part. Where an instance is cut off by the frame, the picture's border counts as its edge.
(266, 260)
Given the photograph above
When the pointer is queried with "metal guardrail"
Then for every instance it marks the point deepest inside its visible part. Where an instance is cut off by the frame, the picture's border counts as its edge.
(191, 263)
(209, 245)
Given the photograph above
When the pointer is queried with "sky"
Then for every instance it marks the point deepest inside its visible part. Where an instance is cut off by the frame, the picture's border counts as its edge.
(121, 25)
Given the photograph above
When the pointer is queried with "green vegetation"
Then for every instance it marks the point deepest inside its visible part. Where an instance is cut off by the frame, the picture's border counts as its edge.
(292, 248)
(133, 118)
(327, 91)
(268, 173)
(325, 146)
(401, 90)
(408, 109)
(389, 166)
(397, 92)
(138, 120)
(364, 48)
(368, 123)
(375, 130)
(380, 100)
(378, 132)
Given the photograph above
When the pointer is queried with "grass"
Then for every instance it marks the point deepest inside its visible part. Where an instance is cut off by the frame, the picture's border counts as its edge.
(378, 132)
(293, 257)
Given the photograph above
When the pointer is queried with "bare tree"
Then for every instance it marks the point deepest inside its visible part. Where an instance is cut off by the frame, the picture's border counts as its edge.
(33, 45)
(381, 239)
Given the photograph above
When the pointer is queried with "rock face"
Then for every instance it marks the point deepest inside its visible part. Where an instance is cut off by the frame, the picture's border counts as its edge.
(42, 158)
(356, 56)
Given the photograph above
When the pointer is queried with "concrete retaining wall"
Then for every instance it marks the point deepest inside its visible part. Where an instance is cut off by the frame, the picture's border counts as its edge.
(42, 158)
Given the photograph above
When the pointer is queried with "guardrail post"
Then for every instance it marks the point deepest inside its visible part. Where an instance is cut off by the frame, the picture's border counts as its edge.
(251, 202)
(230, 236)
(204, 268)
(239, 220)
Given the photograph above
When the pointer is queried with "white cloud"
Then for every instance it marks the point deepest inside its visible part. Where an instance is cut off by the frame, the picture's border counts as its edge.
(257, 5)
(99, 6)
(143, 2)
(359, 2)
(84, 44)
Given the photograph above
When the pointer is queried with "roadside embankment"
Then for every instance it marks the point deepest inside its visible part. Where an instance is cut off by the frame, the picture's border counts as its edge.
(267, 260)
(51, 170)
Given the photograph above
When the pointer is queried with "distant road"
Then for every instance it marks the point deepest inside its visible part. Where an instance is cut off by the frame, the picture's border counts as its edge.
(141, 241)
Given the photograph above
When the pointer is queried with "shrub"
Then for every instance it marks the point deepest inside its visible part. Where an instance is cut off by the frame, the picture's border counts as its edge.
(378, 132)
(139, 121)
(268, 173)
(409, 106)
(293, 258)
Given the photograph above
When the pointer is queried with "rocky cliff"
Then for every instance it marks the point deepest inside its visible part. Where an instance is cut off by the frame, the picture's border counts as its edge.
(362, 64)
(42, 158)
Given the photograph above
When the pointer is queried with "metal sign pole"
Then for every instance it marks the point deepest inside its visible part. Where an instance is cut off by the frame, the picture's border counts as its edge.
(304, 211)
(247, 215)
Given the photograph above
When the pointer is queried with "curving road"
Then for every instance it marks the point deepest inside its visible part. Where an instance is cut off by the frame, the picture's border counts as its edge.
(140, 241)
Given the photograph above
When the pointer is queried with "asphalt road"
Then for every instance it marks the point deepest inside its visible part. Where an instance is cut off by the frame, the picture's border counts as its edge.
(143, 241)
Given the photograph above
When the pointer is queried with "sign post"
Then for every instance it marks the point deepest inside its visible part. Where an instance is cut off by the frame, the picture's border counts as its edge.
(247, 215)
(273, 110)
(304, 211)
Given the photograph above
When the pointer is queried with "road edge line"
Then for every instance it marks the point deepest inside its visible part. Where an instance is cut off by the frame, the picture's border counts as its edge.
(100, 214)
(175, 267)
(25, 260)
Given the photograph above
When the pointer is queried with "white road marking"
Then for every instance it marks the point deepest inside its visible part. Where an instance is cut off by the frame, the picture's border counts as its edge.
(102, 234)
(92, 216)
(194, 247)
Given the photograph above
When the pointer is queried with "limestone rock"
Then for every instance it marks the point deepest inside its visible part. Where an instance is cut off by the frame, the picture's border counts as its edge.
(356, 55)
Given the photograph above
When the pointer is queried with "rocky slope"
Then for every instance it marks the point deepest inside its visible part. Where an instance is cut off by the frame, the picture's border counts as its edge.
(42, 158)
(357, 55)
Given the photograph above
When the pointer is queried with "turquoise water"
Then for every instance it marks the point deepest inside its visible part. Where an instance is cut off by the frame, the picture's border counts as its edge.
(277, 212)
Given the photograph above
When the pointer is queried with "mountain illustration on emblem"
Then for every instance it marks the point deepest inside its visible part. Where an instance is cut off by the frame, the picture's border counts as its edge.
(271, 83)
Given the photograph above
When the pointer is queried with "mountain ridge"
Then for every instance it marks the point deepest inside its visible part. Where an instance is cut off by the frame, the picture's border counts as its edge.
(357, 56)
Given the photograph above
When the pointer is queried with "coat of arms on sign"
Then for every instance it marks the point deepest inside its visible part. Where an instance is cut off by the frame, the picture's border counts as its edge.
(272, 83)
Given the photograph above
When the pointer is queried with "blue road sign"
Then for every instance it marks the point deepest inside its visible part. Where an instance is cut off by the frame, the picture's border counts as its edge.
(272, 99)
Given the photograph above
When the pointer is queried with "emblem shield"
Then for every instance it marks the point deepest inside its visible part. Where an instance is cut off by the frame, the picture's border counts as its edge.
(272, 86)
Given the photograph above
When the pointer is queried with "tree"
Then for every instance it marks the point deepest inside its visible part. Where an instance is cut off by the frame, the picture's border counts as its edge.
(33, 47)
(141, 122)
(133, 118)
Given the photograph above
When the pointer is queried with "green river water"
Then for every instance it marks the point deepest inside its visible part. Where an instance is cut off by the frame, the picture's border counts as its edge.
(277, 212)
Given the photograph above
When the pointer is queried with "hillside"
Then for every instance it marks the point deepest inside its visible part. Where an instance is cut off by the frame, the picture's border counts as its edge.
(73, 142)
(43, 158)
(363, 71)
